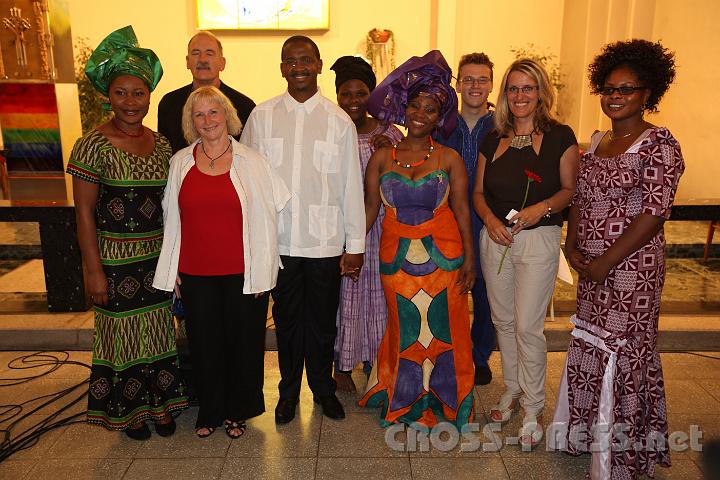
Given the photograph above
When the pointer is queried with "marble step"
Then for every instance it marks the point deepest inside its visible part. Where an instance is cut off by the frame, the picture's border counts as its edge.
(74, 331)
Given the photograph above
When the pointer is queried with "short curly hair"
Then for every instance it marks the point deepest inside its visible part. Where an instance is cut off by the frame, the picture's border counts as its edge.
(476, 59)
(653, 64)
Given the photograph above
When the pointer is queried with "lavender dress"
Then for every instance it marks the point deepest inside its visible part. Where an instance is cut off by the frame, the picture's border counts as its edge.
(362, 314)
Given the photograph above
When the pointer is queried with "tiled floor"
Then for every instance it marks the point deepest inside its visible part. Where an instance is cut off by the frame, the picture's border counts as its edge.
(19, 233)
(691, 286)
(314, 447)
(27, 277)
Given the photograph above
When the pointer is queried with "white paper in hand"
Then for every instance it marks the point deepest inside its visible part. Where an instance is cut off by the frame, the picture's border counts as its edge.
(564, 273)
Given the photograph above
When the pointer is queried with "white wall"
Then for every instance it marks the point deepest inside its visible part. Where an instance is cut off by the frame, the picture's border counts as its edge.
(496, 27)
(690, 108)
(253, 58)
(574, 30)
(689, 28)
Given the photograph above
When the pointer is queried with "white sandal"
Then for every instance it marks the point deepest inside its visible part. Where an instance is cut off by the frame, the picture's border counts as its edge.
(531, 433)
(506, 407)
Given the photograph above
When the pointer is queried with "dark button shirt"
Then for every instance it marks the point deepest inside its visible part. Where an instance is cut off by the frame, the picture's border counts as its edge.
(171, 107)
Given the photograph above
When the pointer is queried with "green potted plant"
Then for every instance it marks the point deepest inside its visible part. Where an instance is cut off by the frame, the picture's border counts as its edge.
(92, 111)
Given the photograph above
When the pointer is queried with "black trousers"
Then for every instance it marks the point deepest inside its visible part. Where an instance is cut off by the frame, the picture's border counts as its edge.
(305, 310)
(226, 333)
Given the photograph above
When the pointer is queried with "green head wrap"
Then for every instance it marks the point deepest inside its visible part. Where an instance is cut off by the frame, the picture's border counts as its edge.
(120, 54)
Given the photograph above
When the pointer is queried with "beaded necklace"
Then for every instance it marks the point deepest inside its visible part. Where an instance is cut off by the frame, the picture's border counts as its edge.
(416, 164)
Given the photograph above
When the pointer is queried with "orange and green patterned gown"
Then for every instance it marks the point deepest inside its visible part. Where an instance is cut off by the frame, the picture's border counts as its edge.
(424, 369)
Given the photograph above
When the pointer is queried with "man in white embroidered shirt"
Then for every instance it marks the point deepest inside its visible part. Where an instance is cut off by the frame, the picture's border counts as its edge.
(312, 144)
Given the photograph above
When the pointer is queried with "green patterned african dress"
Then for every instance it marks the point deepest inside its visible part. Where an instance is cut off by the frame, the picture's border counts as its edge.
(135, 374)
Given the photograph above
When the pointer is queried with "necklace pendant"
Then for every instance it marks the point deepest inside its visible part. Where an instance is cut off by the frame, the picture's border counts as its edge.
(440, 178)
(615, 137)
(212, 160)
(521, 141)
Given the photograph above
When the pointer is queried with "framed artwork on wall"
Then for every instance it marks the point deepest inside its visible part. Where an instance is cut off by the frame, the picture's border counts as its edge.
(263, 14)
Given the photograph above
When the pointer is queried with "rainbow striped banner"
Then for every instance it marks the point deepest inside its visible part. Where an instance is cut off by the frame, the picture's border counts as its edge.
(30, 129)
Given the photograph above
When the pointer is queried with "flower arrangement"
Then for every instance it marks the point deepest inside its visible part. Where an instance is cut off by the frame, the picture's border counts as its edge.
(531, 177)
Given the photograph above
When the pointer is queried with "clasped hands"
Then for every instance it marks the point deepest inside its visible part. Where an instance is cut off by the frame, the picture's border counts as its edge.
(350, 265)
(595, 270)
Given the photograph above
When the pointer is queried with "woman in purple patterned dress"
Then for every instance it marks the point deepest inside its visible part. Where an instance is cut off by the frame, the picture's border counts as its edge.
(363, 312)
(612, 399)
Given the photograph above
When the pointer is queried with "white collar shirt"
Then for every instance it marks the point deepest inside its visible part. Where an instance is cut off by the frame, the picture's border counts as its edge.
(313, 147)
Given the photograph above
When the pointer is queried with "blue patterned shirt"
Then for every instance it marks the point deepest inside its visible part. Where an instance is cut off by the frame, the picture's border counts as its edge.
(467, 144)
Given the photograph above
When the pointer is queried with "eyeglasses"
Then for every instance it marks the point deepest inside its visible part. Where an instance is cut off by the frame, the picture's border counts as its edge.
(470, 81)
(526, 89)
(624, 90)
(294, 62)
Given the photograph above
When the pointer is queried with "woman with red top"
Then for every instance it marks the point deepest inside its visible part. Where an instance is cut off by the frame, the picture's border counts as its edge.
(220, 254)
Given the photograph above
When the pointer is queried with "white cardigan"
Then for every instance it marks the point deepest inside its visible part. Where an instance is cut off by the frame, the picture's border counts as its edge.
(262, 195)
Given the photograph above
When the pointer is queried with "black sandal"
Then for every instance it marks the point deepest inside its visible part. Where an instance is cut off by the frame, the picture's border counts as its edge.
(230, 426)
(204, 435)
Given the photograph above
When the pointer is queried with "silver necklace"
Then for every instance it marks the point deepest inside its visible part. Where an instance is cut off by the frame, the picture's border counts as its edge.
(212, 160)
(613, 136)
(521, 141)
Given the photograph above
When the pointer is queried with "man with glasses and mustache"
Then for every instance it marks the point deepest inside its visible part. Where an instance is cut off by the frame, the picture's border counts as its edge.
(312, 143)
(205, 61)
(475, 119)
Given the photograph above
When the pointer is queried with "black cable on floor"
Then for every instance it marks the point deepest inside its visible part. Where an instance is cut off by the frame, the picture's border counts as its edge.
(11, 416)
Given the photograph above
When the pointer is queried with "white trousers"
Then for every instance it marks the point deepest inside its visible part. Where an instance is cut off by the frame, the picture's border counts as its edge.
(519, 296)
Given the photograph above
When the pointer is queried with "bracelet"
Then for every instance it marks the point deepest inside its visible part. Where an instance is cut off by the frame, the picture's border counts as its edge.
(549, 209)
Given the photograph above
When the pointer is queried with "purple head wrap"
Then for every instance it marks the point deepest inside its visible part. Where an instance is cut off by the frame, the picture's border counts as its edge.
(429, 74)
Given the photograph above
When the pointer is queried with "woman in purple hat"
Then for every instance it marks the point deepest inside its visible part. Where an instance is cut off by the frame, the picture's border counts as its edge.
(424, 370)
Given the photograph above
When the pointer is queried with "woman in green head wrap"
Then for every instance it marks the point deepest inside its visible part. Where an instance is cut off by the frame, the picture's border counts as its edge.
(120, 171)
